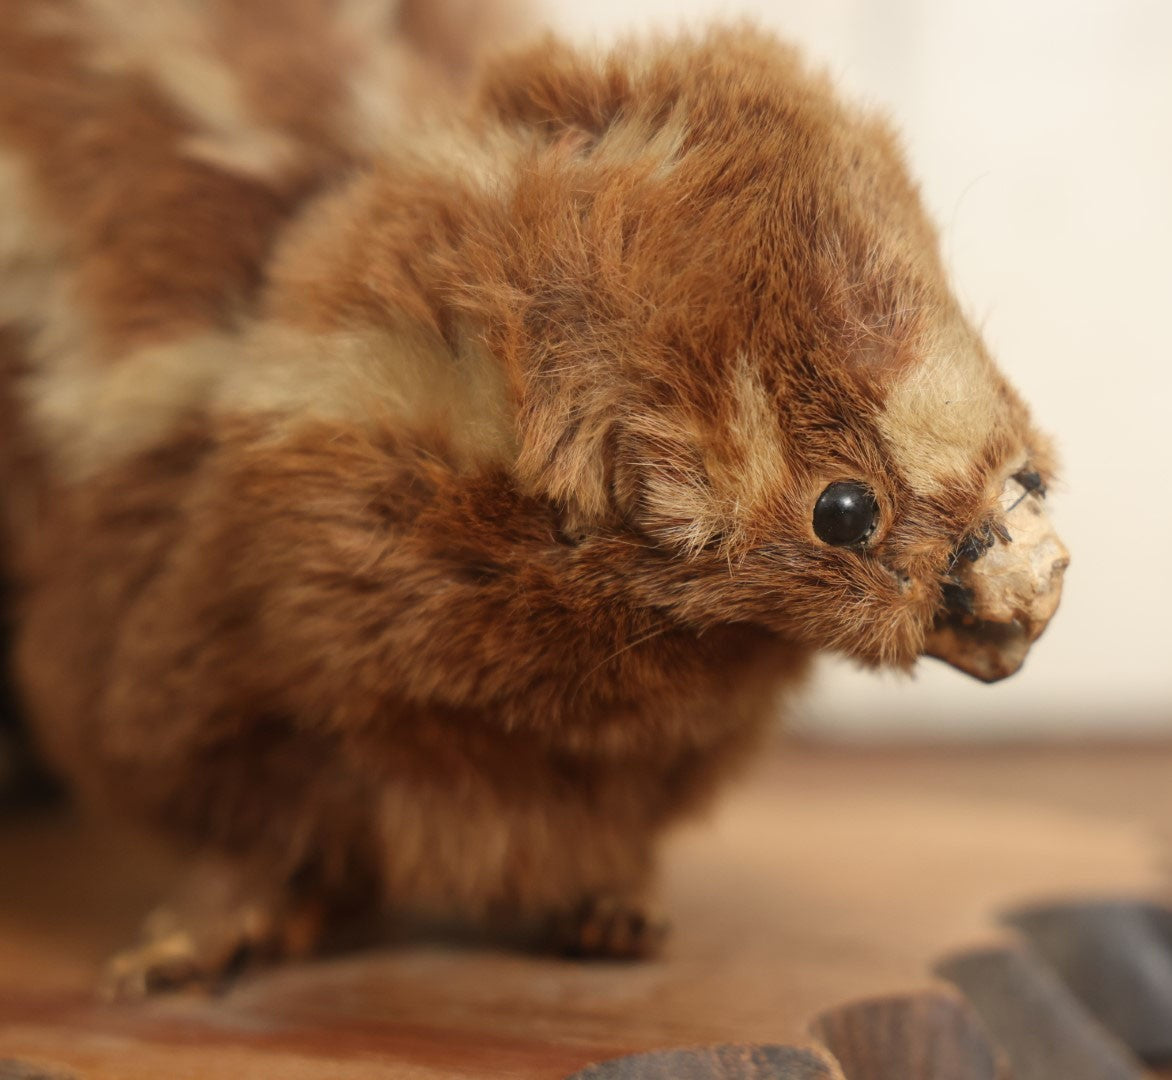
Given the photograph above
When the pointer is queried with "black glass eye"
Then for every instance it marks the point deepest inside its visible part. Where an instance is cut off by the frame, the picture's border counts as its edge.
(846, 513)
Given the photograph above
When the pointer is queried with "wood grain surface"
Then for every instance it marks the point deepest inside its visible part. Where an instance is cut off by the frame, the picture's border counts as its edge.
(830, 876)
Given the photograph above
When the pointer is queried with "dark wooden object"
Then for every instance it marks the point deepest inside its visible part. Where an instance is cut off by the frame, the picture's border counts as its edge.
(925, 1036)
(1035, 1020)
(1116, 958)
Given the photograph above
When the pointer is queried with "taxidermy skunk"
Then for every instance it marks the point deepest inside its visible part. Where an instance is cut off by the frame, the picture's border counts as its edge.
(420, 483)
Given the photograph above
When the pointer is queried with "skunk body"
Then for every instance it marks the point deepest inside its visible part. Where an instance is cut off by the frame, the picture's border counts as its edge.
(409, 492)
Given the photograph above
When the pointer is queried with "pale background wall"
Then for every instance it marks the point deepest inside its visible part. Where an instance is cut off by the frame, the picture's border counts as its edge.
(1042, 134)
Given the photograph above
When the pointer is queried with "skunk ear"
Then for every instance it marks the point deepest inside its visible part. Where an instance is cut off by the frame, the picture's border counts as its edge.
(626, 476)
(556, 90)
(661, 488)
(653, 483)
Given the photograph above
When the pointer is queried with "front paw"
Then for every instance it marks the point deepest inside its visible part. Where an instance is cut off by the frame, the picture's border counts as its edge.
(206, 938)
(156, 964)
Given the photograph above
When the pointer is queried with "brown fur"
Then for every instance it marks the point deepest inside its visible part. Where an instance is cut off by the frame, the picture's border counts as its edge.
(312, 604)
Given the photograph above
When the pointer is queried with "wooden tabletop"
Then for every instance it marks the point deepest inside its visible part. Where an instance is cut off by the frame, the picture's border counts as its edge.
(830, 874)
